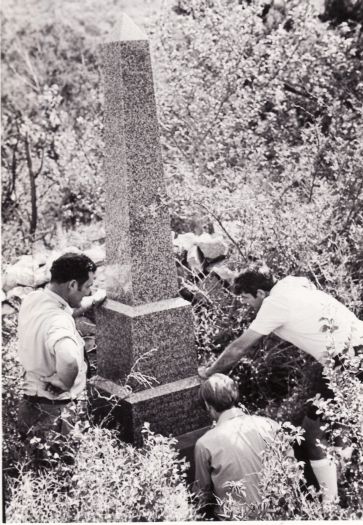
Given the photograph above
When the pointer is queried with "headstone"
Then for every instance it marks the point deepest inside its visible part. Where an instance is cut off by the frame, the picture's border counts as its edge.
(144, 321)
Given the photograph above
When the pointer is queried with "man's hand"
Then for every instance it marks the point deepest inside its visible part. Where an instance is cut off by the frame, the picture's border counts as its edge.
(54, 385)
(202, 372)
(89, 302)
(98, 297)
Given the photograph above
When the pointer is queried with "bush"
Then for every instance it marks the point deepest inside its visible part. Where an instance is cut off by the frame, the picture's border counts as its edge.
(109, 482)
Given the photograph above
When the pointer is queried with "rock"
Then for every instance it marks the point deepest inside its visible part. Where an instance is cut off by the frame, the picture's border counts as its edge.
(100, 279)
(7, 309)
(18, 274)
(42, 258)
(85, 326)
(42, 276)
(195, 259)
(26, 260)
(97, 254)
(3, 296)
(20, 291)
(223, 272)
(57, 253)
(212, 246)
(185, 241)
(70, 249)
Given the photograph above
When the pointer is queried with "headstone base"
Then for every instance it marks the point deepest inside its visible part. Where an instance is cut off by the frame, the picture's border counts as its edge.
(177, 402)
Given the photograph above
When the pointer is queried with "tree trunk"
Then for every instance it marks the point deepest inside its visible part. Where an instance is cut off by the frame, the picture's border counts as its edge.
(33, 189)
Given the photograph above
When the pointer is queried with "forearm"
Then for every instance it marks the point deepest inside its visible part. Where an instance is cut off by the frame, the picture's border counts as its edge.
(234, 352)
(67, 374)
(66, 363)
(228, 359)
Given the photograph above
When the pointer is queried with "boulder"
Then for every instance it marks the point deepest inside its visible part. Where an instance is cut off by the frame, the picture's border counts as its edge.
(27, 260)
(97, 254)
(19, 274)
(20, 292)
(57, 253)
(41, 276)
(212, 246)
(195, 259)
(7, 309)
(222, 271)
(3, 296)
(185, 241)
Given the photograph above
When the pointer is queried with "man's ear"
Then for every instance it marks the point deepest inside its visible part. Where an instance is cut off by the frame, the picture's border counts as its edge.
(72, 285)
(261, 294)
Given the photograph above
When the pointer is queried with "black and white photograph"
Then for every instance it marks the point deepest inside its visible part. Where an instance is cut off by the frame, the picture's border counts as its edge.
(182, 260)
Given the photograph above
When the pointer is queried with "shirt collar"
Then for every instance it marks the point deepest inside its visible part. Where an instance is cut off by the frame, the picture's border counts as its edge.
(231, 413)
(59, 299)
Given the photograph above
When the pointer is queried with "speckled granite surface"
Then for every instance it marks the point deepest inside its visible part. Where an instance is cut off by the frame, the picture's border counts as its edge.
(140, 265)
(143, 316)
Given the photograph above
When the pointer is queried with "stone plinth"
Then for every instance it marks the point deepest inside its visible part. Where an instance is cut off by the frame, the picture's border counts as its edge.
(170, 409)
(160, 331)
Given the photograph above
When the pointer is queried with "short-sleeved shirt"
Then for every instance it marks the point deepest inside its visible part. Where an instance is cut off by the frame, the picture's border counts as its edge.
(231, 451)
(294, 310)
(44, 320)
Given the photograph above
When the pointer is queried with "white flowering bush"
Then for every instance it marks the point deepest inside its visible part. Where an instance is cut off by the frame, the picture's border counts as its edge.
(109, 482)
(284, 492)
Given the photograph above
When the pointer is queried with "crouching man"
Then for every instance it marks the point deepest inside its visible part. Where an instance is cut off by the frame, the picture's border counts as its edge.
(51, 352)
(230, 451)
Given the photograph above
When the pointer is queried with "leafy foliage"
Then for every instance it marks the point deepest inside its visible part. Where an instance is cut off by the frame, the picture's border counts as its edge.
(110, 481)
(261, 125)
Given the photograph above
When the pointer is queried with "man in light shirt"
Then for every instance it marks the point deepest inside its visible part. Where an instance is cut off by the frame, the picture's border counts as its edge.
(51, 350)
(230, 451)
(293, 309)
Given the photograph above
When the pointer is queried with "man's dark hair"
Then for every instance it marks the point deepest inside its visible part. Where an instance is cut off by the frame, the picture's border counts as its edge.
(72, 266)
(252, 280)
(219, 391)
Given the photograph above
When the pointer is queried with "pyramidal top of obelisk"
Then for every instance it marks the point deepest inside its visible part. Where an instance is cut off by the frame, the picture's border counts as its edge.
(126, 30)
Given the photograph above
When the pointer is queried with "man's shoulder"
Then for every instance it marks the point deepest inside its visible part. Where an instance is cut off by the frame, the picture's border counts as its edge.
(291, 284)
(207, 438)
(43, 305)
(265, 423)
(32, 301)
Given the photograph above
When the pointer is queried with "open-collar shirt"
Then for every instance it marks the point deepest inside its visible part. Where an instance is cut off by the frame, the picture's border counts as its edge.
(45, 318)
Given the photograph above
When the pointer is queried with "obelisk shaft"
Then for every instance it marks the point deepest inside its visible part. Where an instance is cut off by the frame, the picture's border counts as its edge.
(140, 263)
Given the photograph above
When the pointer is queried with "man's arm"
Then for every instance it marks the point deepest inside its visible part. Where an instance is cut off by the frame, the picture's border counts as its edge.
(232, 354)
(203, 483)
(66, 367)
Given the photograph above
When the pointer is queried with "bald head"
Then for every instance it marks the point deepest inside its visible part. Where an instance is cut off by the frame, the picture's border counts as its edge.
(220, 392)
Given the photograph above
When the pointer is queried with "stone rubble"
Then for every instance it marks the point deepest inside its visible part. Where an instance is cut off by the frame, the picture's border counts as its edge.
(204, 254)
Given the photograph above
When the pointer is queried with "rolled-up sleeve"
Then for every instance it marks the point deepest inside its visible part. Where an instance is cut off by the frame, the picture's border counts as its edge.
(272, 314)
(60, 328)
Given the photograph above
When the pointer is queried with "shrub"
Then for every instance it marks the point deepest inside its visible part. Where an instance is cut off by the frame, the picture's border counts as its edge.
(109, 482)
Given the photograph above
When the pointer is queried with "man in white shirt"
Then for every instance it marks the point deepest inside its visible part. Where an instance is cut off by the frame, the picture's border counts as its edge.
(293, 309)
(51, 350)
(230, 451)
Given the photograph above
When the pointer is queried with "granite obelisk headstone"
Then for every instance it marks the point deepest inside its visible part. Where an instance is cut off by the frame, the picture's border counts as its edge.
(144, 316)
